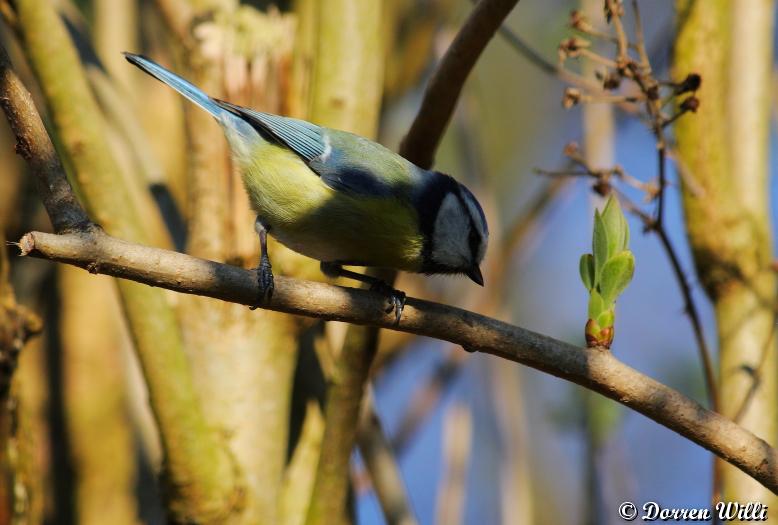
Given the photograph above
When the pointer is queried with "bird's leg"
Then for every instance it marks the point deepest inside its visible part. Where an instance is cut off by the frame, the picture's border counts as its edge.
(396, 297)
(264, 270)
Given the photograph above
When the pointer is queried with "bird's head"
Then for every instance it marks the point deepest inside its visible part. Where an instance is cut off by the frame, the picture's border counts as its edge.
(459, 234)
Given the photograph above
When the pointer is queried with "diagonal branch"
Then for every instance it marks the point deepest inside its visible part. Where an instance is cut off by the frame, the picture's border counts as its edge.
(35, 146)
(594, 369)
(443, 90)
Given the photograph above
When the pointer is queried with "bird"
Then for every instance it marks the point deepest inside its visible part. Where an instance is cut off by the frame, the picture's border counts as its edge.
(343, 199)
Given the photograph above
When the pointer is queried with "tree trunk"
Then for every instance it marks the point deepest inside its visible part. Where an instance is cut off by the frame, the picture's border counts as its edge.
(723, 151)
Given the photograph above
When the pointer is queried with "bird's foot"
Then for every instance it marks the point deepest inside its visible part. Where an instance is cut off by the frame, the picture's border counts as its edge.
(265, 282)
(396, 299)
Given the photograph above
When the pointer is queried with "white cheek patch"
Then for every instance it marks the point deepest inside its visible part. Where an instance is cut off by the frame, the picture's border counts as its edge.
(450, 242)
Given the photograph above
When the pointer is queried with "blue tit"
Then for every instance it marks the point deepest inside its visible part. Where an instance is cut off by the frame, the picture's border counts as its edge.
(343, 199)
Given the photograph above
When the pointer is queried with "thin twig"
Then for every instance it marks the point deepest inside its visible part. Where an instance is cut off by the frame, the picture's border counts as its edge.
(615, 8)
(653, 103)
(596, 57)
(694, 316)
(640, 40)
(457, 439)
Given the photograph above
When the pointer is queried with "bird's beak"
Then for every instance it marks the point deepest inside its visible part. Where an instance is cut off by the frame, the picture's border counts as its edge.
(475, 274)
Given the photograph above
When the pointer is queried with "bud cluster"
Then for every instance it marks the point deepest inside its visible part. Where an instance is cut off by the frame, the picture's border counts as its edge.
(606, 271)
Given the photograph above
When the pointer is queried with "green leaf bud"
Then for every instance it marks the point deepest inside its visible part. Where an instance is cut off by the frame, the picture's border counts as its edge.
(616, 275)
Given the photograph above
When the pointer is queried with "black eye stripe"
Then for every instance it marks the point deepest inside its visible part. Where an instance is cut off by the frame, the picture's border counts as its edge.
(475, 239)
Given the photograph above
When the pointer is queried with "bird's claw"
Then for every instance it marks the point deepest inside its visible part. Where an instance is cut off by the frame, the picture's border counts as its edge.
(396, 299)
(265, 282)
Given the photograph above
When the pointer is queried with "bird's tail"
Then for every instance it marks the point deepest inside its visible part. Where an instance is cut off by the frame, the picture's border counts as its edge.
(184, 87)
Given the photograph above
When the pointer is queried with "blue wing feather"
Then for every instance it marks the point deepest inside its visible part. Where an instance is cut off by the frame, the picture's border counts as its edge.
(350, 178)
(302, 137)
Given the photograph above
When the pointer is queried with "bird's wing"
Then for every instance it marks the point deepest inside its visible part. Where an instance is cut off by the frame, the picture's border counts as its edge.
(304, 138)
(322, 150)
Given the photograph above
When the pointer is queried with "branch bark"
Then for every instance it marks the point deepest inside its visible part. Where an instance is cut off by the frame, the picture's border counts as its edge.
(595, 369)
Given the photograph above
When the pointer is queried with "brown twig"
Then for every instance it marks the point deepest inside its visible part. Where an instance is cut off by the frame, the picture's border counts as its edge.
(640, 40)
(457, 439)
(615, 10)
(592, 368)
(649, 85)
(443, 90)
(34, 145)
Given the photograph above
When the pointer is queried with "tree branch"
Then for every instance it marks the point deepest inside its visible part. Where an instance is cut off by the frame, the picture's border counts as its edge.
(443, 90)
(595, 369)
(34, 145)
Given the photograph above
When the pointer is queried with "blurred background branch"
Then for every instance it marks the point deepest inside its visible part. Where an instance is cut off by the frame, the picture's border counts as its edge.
(345, 93)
